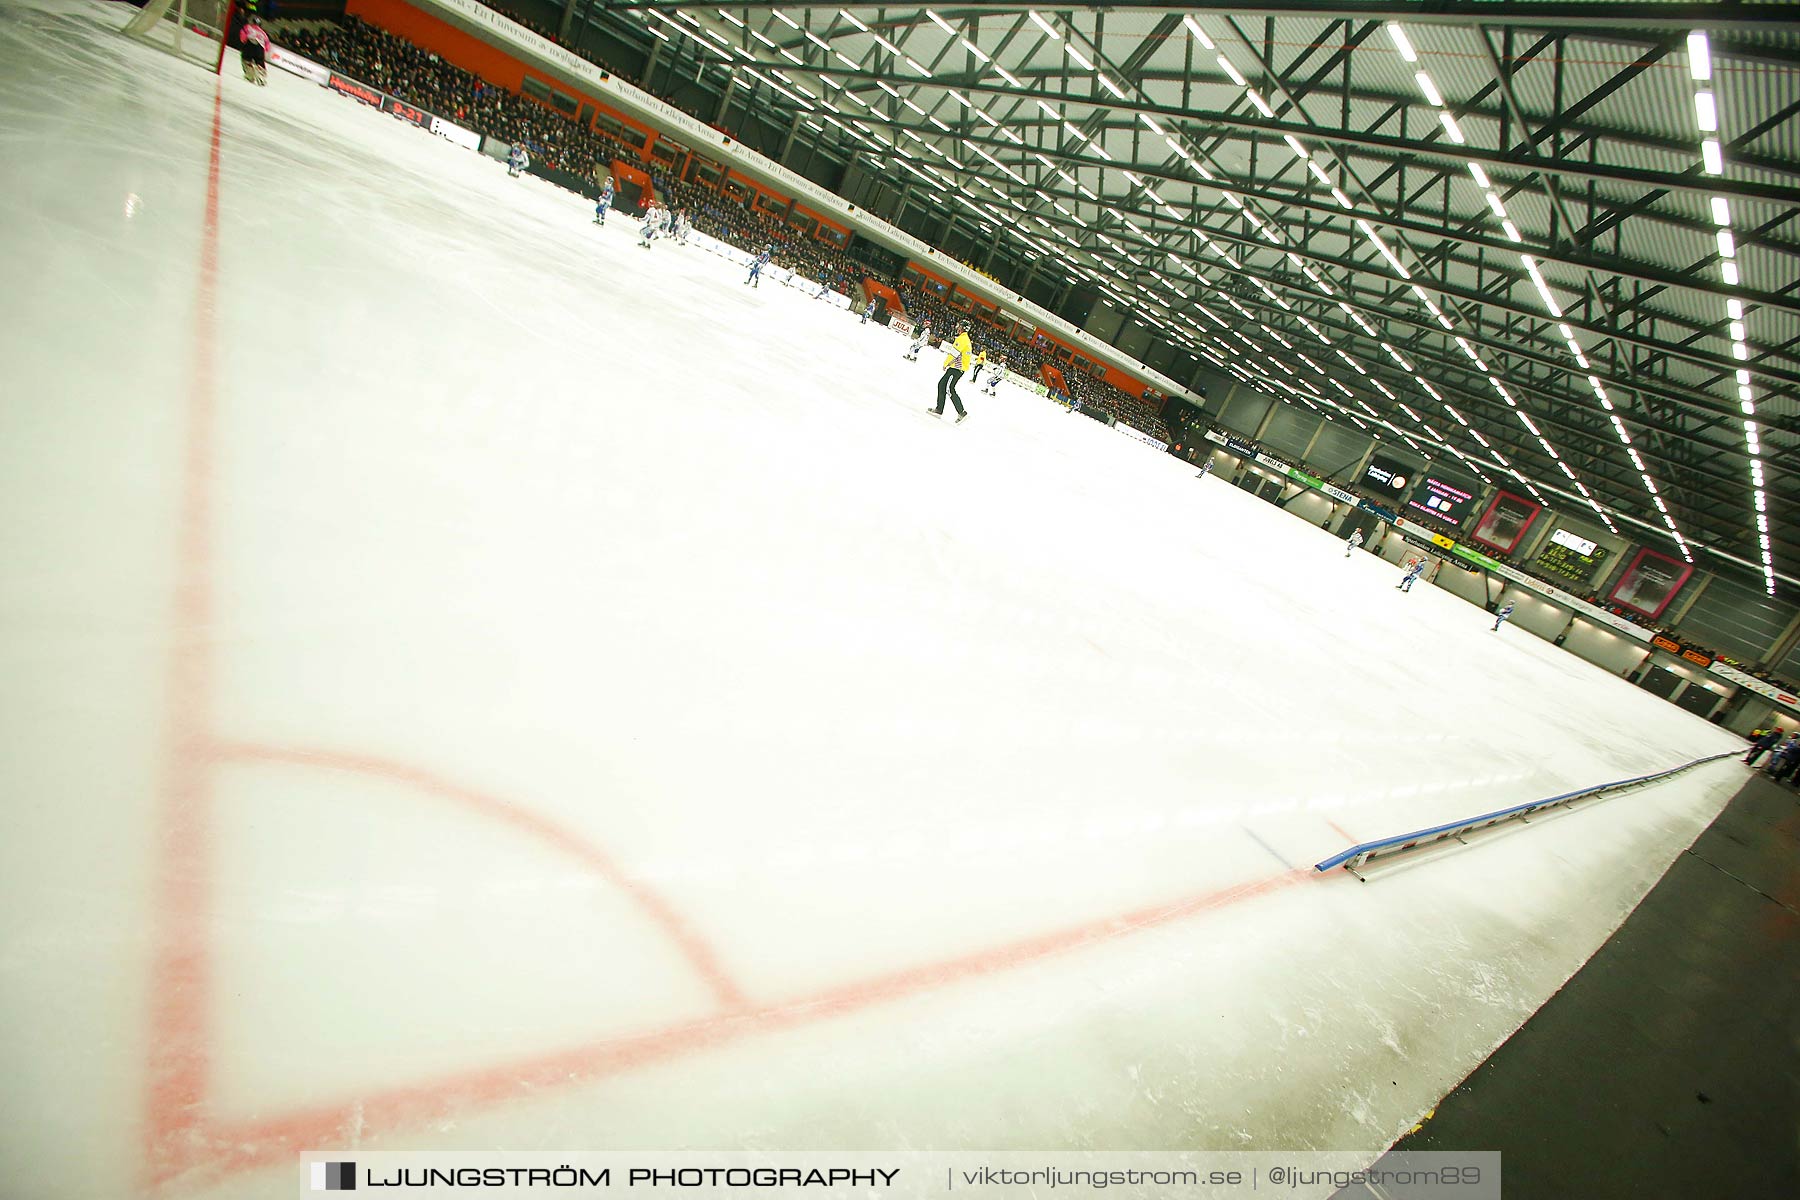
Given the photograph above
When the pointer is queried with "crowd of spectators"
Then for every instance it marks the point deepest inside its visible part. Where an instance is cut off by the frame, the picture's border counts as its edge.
(364, 52)
(419, 77)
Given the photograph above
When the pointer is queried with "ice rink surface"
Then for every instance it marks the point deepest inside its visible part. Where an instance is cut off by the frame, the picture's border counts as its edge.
(472, 682)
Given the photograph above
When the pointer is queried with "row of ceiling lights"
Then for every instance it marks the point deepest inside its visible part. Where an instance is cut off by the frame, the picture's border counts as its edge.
(1263, 226)
(1712, 160)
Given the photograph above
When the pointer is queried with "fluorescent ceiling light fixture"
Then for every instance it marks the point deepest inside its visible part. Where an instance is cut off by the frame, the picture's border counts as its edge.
(916, 65)
(1112, 87)
(1225, 65)
(1150, 123)
(786, 20)
(1338, 195)
(1706, 112)
(1045, 25)
(1429, 88)
(1512, 231)
(1721, 211)
(1199, 33)
(852, 20)
(1699, 55)
(1079, 57)
(1398, 36)
(1262, 106)
(940, 22)
(1451, 128)
(1003, 73)
(1712, 156)
(977, 51)
(1480, 175)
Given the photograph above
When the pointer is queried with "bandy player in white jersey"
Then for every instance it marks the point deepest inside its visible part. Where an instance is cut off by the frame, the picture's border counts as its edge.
(654, 217)
(996, 371)
(921, 335)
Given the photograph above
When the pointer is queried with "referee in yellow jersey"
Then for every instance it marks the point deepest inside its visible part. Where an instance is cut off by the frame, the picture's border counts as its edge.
(954, 365)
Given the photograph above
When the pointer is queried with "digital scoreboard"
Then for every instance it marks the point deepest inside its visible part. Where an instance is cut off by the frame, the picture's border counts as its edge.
(1570, 557)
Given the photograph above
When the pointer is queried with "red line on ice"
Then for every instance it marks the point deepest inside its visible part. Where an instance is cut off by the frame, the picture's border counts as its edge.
(180, 976)
(179, 1139)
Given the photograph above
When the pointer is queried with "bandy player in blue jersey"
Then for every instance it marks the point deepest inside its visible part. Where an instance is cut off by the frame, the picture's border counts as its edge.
(762, 260)
(605, 202)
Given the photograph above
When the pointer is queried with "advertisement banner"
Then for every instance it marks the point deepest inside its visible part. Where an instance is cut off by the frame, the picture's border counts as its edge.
(350, 87)
(1650, 582)
(1761, 687)
(1242, 449)
(1415, 530)
(1337, 493)
(1217, 438)
(466, 138)
(1502, 527)
(1388, 476)
(287, 60)
(1588, 612)
(406, 112)
(1139, 435)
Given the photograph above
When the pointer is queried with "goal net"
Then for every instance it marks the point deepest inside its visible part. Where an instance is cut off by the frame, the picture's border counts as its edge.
(190, 29)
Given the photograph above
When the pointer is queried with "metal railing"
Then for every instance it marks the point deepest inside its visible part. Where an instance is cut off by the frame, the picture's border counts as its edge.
(1365, 852)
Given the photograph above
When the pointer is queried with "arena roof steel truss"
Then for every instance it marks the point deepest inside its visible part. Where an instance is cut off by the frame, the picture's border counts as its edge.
(1555, 241)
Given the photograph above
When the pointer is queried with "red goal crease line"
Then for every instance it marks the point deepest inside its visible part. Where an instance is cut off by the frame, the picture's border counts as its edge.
(179, 1139)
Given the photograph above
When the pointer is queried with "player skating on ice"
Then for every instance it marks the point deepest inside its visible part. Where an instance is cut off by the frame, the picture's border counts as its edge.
(1352, 542)
(517, 160)
(824, 285)
(954, 366)
(921, 335)
(995, 373)
(604, 203)
(1205, 468)
(682, 226)
(980, 362)
(762, 260)
(868, 311)
(253, 50)
(1414, 569)
(1506, 610)
(654, 217)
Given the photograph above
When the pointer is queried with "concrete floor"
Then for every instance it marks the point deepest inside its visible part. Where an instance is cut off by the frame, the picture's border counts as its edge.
(1670, 1065)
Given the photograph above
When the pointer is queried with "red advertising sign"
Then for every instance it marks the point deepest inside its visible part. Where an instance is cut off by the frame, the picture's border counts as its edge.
(1502, 527)
(1650, 582)
(406, 112)
(350, 87)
